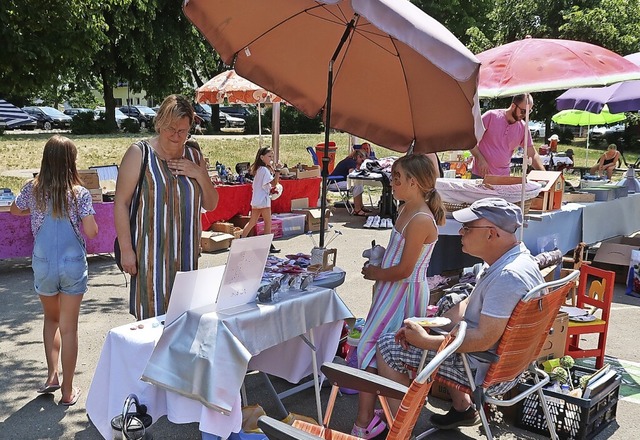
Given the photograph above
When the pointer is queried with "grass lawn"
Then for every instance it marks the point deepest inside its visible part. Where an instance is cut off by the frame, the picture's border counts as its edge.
(24, 151)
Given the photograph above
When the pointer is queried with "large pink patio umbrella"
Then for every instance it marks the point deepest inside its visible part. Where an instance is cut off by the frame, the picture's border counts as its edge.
(230, 87)
(544, 64)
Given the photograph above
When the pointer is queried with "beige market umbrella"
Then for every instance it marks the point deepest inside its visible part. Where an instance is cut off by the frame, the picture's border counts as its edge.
(382, 70)
(232, 88)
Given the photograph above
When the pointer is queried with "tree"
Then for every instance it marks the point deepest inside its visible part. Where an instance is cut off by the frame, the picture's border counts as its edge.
(44, 42)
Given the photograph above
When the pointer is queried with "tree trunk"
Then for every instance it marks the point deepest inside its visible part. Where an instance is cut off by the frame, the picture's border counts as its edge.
(109, 101)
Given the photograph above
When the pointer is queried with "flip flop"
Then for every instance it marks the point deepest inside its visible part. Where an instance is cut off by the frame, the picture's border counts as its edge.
(360, 213)
(48, 388)
(74, 398)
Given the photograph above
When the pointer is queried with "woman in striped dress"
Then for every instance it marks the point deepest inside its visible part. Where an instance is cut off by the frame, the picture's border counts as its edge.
(401, 290)
(166, 236)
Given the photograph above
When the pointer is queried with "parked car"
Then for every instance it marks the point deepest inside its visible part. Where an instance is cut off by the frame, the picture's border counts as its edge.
(236, 111)
(203, 111)
(142, 113)
(120, 117)
(74, 111)
(537, 129)
(231, 121)
(48, 118)
(601, 132)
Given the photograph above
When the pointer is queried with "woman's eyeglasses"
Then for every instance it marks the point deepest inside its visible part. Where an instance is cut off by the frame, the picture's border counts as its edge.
(172, 131)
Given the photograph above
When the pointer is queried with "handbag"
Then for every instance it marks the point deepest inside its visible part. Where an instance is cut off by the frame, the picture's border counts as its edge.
(133, 209)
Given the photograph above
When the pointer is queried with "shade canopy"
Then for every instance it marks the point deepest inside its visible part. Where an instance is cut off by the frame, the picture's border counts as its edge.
(11, 115)
(230, 87)
(401, 77)
(585, 118)
(539, 65)
(619, 97)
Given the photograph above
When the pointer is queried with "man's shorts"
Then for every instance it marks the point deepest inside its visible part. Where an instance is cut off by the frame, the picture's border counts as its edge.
(452, 368)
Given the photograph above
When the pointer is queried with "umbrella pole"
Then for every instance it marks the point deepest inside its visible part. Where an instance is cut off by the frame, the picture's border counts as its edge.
(525, 164)
(275, 129)
(327, 125)
(260, 127)
(586, 154)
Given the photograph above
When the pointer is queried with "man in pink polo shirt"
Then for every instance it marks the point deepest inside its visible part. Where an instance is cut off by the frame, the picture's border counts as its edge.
(504, 132)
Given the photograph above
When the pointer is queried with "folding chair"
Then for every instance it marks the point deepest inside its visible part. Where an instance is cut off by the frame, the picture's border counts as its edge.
(517, 352)
(332, 184)
(595, 289)
(413, 398)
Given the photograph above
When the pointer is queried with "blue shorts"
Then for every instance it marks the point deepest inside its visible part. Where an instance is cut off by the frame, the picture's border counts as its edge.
(69, 276)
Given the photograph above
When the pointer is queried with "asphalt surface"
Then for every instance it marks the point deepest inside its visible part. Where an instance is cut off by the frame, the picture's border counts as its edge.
(26, 415)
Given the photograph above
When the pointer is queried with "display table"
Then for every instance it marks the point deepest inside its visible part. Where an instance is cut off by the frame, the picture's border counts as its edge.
(209, 355)
(16, 239)
(236, 199)
(563, 228)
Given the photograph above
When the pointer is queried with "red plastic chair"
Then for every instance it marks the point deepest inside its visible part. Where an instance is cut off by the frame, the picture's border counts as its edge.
(595, 291)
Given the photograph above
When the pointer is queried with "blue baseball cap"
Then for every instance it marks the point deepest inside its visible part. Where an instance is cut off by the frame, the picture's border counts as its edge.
(501, 213)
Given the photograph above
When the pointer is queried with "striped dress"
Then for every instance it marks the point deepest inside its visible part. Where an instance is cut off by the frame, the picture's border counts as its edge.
(166, 234)
(394, 301)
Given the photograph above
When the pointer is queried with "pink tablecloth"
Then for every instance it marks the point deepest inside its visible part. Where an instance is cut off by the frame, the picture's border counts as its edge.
(16, 240)
(236, 199)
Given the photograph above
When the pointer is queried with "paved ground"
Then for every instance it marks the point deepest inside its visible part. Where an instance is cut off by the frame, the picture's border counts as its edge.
(25, 415)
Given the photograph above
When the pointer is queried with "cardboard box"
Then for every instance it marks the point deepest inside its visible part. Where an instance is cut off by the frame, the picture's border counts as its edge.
(578, 197)
(615, 255)
(307, 171)
(556, 341)
(211, 241)
(301, 206)
(90, 179)
(227, 228)
(96, 195)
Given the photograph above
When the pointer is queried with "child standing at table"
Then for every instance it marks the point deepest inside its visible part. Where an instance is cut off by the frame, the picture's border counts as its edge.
(58, 204)
(401, 290)
(265, 179)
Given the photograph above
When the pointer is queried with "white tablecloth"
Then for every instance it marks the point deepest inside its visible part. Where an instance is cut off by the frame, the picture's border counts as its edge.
(264, 337)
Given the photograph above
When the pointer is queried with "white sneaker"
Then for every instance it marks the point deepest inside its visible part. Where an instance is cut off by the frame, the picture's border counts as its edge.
(376, 222)
(369, 222)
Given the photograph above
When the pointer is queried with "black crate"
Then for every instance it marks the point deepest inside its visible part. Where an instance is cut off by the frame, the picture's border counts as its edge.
(574, 417)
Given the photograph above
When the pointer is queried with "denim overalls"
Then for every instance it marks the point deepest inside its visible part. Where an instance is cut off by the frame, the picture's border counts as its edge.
(59, 258)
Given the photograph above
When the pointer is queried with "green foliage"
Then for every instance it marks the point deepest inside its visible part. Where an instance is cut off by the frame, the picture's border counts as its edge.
(85, 123)
(293, 121)
(130, 126)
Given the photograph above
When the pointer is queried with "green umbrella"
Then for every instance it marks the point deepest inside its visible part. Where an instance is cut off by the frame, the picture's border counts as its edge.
(585, 118)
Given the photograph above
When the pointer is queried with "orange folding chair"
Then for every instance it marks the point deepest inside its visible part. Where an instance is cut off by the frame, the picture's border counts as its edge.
(595, 290)
(413, 398)
(518, 350)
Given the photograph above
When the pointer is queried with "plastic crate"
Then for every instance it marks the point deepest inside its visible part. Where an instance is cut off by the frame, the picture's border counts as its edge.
(292, 224)
(573, 417)
(276, 228)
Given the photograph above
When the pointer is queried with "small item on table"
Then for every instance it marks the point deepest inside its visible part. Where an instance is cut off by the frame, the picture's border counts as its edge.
(426, 321)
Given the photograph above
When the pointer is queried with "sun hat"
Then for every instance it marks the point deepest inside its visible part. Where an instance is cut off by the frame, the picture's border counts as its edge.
(501, 213)
(554, 137)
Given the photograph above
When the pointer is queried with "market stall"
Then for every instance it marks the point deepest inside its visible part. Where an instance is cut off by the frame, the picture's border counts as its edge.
(16, 239)
(236, 199)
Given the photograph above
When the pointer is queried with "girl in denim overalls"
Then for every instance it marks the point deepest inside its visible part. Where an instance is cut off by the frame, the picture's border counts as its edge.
(58, 204)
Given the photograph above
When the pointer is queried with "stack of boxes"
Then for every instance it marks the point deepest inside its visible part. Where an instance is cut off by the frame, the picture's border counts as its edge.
(91, 181)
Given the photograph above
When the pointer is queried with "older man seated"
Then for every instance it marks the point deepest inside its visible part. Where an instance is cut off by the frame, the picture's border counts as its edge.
(489, 232)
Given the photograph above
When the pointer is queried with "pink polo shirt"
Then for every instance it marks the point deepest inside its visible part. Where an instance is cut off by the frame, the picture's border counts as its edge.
(500, 140)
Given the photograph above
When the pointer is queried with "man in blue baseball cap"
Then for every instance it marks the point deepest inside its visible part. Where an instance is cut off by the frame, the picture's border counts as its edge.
(488, 231)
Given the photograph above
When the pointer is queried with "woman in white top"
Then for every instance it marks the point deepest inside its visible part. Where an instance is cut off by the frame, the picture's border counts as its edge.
(263, 183)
